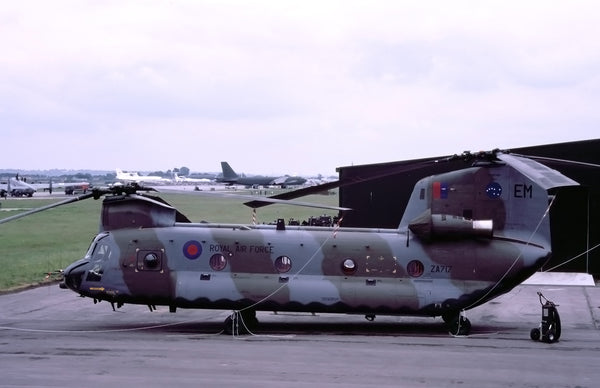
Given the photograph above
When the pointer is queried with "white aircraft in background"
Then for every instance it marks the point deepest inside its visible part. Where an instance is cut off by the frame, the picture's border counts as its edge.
(185, 180)
(135, 177)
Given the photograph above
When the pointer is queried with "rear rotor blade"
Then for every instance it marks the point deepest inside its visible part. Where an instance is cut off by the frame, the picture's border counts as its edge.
(408, 166)
(544, 159)
(265, 200)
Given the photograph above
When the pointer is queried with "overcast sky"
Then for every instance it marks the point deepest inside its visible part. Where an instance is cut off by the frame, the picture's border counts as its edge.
(290, 86)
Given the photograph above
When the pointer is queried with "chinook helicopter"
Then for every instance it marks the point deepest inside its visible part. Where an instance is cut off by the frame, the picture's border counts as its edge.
(464, 239)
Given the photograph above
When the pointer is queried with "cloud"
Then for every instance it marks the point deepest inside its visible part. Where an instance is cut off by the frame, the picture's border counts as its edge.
(310, 85)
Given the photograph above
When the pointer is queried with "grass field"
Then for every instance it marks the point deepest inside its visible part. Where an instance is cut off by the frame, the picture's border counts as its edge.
(33, 246)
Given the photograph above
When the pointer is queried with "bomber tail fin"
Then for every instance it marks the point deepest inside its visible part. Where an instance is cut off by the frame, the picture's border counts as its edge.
(228, 172)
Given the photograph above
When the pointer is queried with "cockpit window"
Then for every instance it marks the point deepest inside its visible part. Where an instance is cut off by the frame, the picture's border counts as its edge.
(98, 253)
(94, 244)
(101, 253)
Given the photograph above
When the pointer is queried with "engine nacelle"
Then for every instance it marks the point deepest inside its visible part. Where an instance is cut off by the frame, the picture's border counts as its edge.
(429, 226)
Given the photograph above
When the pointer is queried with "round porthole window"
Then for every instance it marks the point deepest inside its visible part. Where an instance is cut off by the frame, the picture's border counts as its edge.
(349, 267)
(151, 260)
(283, 264)
(218, 262)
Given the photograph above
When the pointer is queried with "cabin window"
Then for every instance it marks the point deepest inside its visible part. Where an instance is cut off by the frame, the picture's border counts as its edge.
(218, 262)
(283, 264)
(149, 260)
(349, 267)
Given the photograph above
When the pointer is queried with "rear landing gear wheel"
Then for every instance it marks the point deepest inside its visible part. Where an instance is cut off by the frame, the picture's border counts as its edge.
(459, 325)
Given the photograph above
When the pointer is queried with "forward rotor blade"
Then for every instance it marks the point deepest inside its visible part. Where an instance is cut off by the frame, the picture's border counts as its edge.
(47, 207)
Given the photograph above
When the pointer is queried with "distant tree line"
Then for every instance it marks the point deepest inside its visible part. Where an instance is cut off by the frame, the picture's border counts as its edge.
(182, 171)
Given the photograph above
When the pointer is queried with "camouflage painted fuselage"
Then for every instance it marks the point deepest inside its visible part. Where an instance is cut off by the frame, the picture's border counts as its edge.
(390, 274)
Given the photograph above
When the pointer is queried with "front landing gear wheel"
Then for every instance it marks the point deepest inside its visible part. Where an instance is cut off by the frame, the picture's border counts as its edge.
(459, 325)
(240, 322)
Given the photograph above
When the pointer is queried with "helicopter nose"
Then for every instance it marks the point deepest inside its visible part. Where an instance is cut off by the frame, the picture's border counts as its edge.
(73, 275)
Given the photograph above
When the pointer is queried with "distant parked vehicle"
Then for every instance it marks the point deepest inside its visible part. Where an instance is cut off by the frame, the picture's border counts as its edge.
(75, 189)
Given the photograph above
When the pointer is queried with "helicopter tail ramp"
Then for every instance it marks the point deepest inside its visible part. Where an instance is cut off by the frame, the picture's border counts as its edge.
(505, 197)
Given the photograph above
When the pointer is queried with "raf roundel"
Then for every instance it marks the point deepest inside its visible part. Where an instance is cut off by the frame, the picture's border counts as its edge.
(192, 249)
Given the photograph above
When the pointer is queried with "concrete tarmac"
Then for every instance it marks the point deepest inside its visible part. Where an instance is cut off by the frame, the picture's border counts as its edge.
(52, 337)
